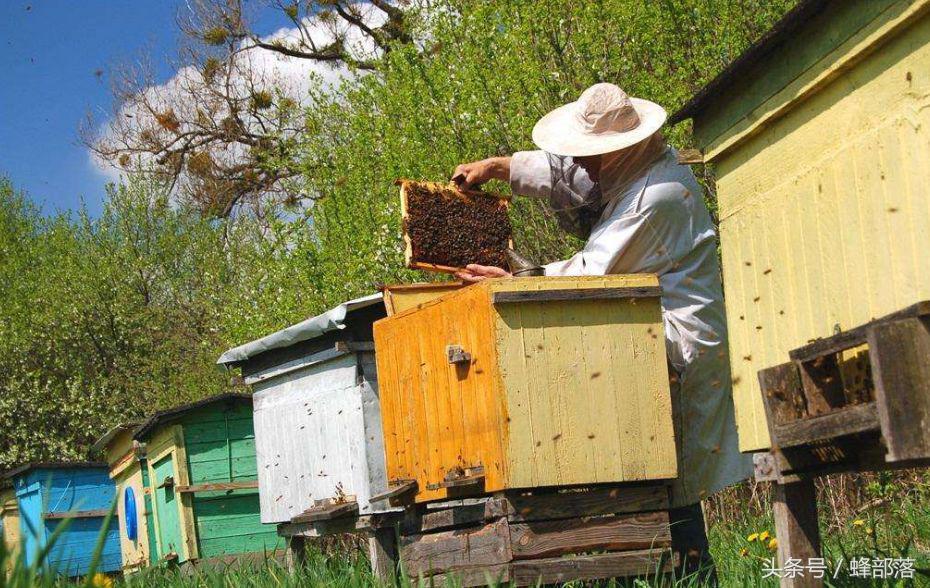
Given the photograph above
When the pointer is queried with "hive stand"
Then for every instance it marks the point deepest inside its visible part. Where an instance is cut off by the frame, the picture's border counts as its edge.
(541, 536)
(381, 529)
(828, 412)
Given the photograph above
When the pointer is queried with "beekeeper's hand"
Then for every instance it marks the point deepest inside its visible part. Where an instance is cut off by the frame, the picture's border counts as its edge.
(469, 175)
(475, 273)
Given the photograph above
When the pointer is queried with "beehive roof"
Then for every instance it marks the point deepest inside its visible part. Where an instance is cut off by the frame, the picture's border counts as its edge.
(779, 35)
(109, 435)
(51, 465)
(168, 415)
(311, 328)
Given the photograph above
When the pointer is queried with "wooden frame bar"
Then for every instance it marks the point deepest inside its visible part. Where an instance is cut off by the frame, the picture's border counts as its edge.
(558, 570)
(194, 488)
(326, 511)
(796, 526)
(900, 357)
(855, 336)
(380, 528)
(397, 297)
(397, 489)
(855, 419)
(77, 514)
(575, 294)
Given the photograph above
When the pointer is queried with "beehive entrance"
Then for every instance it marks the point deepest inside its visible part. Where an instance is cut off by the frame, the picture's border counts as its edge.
(445, 230)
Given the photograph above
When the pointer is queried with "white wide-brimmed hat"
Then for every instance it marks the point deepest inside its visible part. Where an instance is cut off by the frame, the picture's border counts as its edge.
(603, 119)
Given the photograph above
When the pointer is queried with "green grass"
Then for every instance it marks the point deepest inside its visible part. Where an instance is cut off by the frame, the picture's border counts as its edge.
(894, 524)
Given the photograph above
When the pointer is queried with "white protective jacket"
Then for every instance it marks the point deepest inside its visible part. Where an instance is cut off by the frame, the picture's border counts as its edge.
(659, 224)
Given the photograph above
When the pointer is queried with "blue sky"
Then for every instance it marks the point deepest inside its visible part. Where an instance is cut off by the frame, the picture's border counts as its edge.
(53, 51)
(52, 55)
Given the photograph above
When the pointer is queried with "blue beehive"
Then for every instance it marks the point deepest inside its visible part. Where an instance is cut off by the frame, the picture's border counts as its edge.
(82, 493)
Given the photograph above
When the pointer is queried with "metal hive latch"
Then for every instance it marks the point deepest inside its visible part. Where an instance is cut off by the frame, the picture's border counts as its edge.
(457, 355)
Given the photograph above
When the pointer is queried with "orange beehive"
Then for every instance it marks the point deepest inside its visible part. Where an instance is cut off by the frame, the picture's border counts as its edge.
(527, 382)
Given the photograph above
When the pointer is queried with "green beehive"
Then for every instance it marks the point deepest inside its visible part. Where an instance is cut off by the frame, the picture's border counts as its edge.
(202, 480)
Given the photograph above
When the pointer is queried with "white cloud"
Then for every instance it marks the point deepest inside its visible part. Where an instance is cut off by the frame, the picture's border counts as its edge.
(109, 173)
(290, 76)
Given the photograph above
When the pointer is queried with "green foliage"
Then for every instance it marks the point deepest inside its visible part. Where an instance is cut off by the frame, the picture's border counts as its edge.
(262, 99)
(103, 320)
(98, 318)
(894, 531)
(489, 71)
(215, 36)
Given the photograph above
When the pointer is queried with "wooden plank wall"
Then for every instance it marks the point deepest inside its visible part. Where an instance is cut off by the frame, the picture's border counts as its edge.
(220, 447)
(62, 490)
(32, 531)
(172, 518)
(9, 515)
(438, 416)
(825, 214)
(587, 386)
(135, 554)
(149, 515)
(127, 471)
(558, 392)
(373, 434)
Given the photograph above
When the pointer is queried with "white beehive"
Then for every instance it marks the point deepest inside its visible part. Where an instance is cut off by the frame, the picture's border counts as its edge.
(317, 416)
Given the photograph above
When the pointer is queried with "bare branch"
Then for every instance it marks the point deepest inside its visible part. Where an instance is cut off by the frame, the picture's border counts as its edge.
(222, 131)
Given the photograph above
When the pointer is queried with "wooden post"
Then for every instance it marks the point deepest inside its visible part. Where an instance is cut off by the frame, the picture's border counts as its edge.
(796, 529)
(900, 356)
(296, 552)
(382, 550)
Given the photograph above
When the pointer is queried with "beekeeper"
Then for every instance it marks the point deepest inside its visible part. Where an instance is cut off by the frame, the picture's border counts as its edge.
(611, 179)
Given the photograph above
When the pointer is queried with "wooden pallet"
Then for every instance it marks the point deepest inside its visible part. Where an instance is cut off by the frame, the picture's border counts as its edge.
(819, 421)
(540, 537)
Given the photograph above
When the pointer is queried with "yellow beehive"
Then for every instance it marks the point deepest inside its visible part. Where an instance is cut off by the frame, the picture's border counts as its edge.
(9, 526)
(127, 470)
(819, 137)
(527, 382)
(400, 297)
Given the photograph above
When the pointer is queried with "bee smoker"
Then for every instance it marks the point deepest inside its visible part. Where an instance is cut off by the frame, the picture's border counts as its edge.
(522, 267)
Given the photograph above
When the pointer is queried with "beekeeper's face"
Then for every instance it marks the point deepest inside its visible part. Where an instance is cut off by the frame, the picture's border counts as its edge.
(591, 164)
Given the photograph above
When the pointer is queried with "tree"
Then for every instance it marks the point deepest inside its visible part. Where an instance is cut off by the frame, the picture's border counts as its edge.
(383, 24)
(222, 132)
(493, 69)
(103, 319)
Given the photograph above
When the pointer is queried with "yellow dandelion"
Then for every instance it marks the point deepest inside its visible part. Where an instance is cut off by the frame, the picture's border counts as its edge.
(869, 530)
(764, 536)
(743, 552)
(858, 522)
(101, 581)
(752, 537)
(773, 543)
